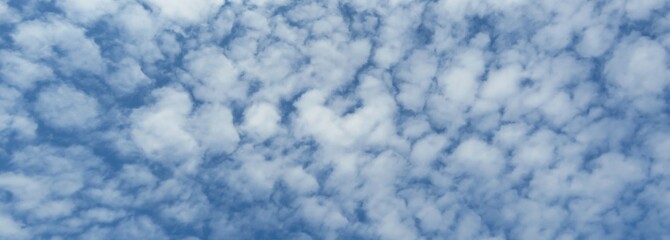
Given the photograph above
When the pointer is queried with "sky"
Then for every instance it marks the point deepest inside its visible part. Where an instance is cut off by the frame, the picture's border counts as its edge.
(352, 119)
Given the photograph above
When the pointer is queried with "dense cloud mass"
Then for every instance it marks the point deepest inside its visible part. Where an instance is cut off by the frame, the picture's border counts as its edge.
(355, 119)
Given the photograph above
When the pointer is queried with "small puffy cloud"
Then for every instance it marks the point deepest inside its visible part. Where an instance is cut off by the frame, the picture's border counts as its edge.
(21, 72)
(102, 215)
(487, 119)
(128, 77)
(323, 212)
(170, 131)
(477, 157)
(214, 76)
(638, 72)
(28, 192)
(160, 130)
(640, 10)
(553, 37)
(137, 227)
(261, 121)
(502, 84)
(136, 24)
(59, 41)
(213, 126)
(300, 181)
(14, 121)
(595, 40)
(65, 107)
(44, 184)
(427, 149)
(418, 72)
(186, 13)
(459, 82)
(8, 14)
(12, 229)
(638, 65)
(88, 11)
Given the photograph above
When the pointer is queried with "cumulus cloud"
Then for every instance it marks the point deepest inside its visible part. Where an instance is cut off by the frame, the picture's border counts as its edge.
(57, 40)
(15, 122)
(66, 107)
(183, 13)
(128, 77)
(261, 121)
(214, 119)
(88, 12)
(159, 130)
(21, 72)
(639, 66)
(9, 14)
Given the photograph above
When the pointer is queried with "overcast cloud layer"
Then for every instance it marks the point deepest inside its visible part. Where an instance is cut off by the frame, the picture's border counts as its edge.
(359, 119)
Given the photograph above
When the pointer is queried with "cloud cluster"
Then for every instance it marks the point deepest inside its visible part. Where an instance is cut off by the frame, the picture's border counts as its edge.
(215, 119)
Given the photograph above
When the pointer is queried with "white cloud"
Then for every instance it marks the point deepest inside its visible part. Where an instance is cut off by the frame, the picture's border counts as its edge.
(300, 181)
(65, 107)
(362, 119)
(460, 81)
(8, 14)
(369, 124)
(638, 73)
(638, 65)
(395, 35)
(27, 191)
(502, 84)
(170, 131)
(160, 130)
(128, 77)
(478, 157)
(13, 119)
(415, 127)
(553, 37)
(255, 177)
(261, 121)
(102, 215)
(12, 229)
(642, 9)
(44, 183)
(138, 227)
(21, 72)
(44, 40)
(213, 126)
(54, 209)
(417, 72)
(88, 11)
(322, 212)
(595, 40)
(213, 76)
(427, 149)
(138, 30)
(186, 13)
(324, 54)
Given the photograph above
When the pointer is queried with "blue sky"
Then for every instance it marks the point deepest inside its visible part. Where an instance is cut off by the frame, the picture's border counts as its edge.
(450, 119)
